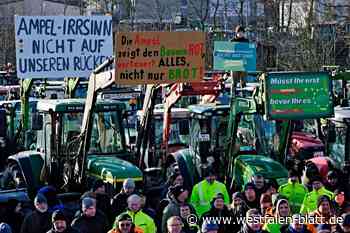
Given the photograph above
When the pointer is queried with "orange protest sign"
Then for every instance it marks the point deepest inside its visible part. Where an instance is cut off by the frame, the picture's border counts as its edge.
(159, 57)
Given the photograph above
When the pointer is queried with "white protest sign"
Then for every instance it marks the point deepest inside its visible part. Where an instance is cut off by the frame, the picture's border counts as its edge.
(61, 46)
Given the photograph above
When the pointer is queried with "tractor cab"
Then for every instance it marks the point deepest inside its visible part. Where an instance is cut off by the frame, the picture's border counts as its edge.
(338, 136)
(17, 139)
(58, 125)
(179, 133)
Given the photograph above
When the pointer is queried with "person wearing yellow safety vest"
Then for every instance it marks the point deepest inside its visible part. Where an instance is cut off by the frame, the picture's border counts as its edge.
(310, 199)
(139, 218)
(204, 192)
(293, 191)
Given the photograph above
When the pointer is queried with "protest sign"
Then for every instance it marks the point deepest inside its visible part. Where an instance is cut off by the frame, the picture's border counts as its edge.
(234, 56)
(61, 46)
(159, 57)
(298, 95)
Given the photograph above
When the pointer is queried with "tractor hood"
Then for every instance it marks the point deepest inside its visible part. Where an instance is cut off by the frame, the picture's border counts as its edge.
(112, 169)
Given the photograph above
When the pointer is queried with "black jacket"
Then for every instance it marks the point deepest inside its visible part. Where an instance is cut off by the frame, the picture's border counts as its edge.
(119, 203)
(225, 213)
(36, 222)
(98, 223)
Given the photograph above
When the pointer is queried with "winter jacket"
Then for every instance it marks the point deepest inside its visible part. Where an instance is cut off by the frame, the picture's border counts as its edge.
(238, 212)
(84, 224)
(203, 193)
(310, 199)
(119, 203)
(295, 193)
(215, 213)
(172, 209)
(313, 227)
(36, 222)
(275, 227)
(142, 220)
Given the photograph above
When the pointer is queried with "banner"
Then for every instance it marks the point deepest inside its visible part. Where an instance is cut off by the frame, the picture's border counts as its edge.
(298, 95)
(234, 56)
(61, 46)
(159, 57)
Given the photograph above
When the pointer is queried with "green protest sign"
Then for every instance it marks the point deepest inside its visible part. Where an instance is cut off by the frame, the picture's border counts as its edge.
(298, 95)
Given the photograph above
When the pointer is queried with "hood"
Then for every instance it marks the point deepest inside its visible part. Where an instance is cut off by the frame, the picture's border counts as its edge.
(112, 169)
(279, 202)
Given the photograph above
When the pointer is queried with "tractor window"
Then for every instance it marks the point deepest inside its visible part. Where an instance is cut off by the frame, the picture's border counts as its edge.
(106, 133)
(176, 134)
(337, 149)
(219, 126)
(266, 135)
(245, 132)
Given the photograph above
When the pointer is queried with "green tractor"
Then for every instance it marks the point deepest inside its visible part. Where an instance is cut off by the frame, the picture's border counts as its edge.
(57, 123)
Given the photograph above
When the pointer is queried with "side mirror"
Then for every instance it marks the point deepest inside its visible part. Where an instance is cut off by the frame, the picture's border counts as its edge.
(184, 127)
(37, 121)
(3, 128)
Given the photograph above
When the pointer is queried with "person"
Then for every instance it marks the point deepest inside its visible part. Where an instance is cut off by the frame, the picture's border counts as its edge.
(50, 193)
(59, 223)
(265, 203)
(339, 203)
(324, 213)
(259, 183)
(139, 218)
(219, 210)
(252, 225)
(310, 200)
(123, 224)
(295, 226)
(250, 197)
(238, 210)
(324, 228)
(209, 227)
(333, 181)
(5, 228)
(186, 211)
(178, 195)
(271, 187)
(240, 35)
(103, 201)
(39, 221)
(174, 225)
(119, 201)
(344, 227)
(282, 210)
(293, 191)
(205, 191)
(90, 220)
(174, 179)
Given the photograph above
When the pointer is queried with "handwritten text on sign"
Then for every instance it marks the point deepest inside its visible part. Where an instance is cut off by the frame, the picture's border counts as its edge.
(159, 57)
(61, 46)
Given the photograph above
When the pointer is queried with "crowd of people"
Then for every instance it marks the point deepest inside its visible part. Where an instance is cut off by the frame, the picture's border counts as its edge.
(207, 207)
